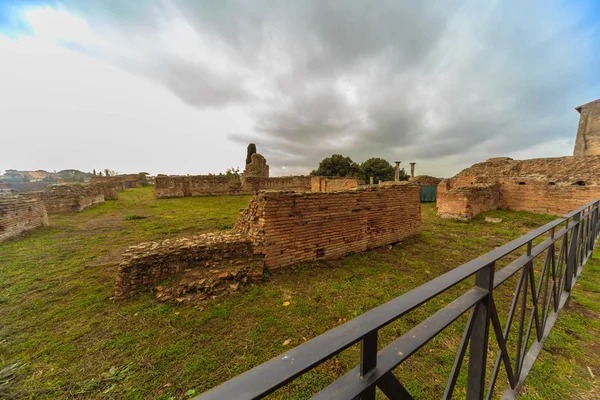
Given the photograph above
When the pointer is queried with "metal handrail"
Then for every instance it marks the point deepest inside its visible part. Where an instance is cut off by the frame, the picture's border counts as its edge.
(577, 237)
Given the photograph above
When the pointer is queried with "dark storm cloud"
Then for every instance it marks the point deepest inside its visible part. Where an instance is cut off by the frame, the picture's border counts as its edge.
(419, 80)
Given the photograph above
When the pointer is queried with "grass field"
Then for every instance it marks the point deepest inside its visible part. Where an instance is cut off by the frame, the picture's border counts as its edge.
(62, 336)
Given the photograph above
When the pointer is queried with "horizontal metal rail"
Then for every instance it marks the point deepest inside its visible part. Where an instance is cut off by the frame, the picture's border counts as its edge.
(570, 243)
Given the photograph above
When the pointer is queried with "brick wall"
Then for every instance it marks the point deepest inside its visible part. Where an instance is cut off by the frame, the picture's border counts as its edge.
(465, 202)
(71, 197)
(219, 185)
(147, 264)
(587, 142)
(20, 213)
(117, 181)
(277, 229)
(544, 198)
(196, 185)
(289, 228)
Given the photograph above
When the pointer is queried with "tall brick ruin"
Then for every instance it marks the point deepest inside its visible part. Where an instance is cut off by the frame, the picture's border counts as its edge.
(587, 142)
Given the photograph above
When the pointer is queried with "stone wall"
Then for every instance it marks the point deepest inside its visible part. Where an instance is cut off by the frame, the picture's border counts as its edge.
(196, 185)
(253, 184)
(117, 181)
(71, 197)
(257, 166)
(425, 180)
(465, 202)
(545, 185)
(587, 142)
(20, 213)
(219, 185)
(218, 256)
(289, 227)
(29, 186)
(277, 229)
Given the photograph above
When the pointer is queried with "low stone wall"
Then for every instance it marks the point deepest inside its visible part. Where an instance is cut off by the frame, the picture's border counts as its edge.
(253, 184)
(277, 229)
(147, 264)
(465, 202)
(71, 197)
(20, 213)
(29, 186)
(109, 189)
(116, 181)
(222, 185)
(196, 185)
(288, 228)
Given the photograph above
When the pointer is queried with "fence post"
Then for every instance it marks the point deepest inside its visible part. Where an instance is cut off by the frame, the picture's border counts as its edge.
(368, 361)
(478, 346)
(572, 256)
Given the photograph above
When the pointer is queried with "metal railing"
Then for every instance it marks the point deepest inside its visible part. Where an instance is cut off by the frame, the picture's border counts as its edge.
(567, 243)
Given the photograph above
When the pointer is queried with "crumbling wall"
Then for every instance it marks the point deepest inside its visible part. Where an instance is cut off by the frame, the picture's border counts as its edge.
(587, 142)
(116, 181)
(71, 197)
(257, 167)
(465, 202)
(220, 185)
(544, 185)
(277, 229)
(425, 180)
(20, 213)
(109, 189)
(197, 185)
(147, 264)
(253, 184)
(289, 227)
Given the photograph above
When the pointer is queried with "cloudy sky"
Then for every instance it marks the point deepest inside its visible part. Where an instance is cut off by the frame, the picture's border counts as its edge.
(182, 86)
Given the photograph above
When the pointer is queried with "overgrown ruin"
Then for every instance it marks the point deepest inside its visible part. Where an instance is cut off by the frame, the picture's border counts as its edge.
(20, 213)
(277, 229)
(254, 178)
(544, 185)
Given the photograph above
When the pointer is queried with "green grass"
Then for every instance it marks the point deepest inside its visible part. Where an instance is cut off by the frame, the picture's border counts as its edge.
(63, 336)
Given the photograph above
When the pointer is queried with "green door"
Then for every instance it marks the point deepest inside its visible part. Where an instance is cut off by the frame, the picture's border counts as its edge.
(428, 193)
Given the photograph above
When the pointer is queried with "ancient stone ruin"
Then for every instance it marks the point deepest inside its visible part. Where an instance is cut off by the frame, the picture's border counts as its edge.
(122, 182)
(75, 197)
(254, 178)
(20, 213)
(587, 142)
(276, 230)
(544, 185)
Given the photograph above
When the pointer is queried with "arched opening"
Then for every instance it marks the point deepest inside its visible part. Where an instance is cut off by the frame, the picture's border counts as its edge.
(579, 183)
(551, 183)
(521, 183)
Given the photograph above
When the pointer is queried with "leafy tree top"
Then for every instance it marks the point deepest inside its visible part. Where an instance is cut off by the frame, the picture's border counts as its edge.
(251, 150)
(337, 165)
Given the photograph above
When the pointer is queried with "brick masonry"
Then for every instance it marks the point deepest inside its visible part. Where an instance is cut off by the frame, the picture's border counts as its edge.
(275, 230)
(289, 228)
(75, 197)
(223, 185)
(544, 185)
(21, 213)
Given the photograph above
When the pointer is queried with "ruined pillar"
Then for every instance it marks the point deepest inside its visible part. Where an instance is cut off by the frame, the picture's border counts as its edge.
(412, 170)
(371, 180)
(397, 172)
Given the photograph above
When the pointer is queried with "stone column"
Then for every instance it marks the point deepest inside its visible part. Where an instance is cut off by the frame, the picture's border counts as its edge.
(371, 180)
(397, 173)
(412, 170)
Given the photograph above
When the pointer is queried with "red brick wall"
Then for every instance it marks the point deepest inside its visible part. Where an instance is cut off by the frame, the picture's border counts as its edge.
(71, 197)
(544, 198)
(20, 213)
(465, 202)
(289, 228)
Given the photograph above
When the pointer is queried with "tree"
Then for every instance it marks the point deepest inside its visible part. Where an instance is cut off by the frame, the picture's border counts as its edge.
(251, 150)
(337, 165)
(378, 168)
